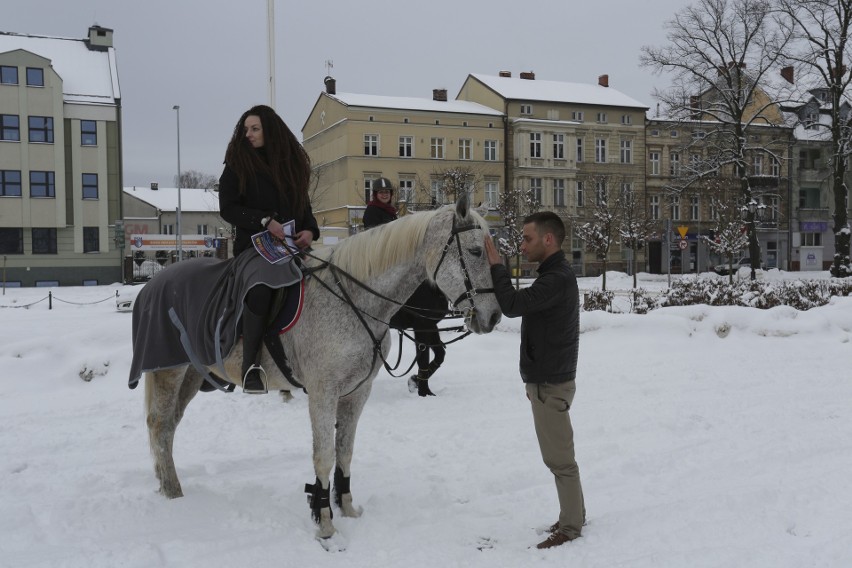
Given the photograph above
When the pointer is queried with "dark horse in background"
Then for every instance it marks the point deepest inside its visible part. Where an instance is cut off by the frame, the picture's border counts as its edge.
(421, 313)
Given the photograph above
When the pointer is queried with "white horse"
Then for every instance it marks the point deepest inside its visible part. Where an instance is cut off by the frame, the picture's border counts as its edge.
(341, 339)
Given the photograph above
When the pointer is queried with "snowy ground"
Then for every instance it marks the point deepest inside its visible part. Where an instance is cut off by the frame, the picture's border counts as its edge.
(705, 437)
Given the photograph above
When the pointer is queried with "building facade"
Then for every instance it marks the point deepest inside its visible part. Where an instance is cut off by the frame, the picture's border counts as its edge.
(431, 149)
(60, 159)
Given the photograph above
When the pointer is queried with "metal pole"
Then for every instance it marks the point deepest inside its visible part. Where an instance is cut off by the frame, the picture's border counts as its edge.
(178, 212)
(270, 30)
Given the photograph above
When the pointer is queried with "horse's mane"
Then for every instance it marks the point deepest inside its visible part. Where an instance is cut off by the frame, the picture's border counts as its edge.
(373, 252)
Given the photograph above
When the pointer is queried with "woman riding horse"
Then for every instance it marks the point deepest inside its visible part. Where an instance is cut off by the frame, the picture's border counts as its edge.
(423, 310)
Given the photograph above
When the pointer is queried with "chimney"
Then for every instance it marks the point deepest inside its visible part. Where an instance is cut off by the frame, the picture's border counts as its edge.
(603, 80)
(100, 39)
(505, 73)
(787, 73)
(330, 85)
(439, 95)
(154, 186)
(529, 75)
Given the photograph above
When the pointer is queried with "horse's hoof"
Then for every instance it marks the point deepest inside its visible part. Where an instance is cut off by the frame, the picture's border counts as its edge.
(412, 383)
(286, 396)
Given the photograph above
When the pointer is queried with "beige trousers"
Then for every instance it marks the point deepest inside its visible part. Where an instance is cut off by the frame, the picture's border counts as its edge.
(550, 405)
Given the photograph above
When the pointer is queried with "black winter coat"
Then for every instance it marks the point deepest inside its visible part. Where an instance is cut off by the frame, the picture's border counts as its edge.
(375, 216)
(550, 324)
(261, 199)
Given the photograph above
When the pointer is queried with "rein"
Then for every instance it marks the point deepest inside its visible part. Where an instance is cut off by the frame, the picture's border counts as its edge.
(469, 294)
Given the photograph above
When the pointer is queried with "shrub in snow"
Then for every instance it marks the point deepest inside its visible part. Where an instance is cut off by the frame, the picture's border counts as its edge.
(598, 300)
(799, 294)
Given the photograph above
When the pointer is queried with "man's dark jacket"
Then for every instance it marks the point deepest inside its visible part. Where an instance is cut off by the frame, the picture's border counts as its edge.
(550, 324)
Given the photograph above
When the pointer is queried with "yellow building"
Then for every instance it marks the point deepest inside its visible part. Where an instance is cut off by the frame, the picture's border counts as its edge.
(60, 159)
(424, 146)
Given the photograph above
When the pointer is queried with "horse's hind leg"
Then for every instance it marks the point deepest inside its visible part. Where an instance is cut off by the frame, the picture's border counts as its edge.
(166, 395)
(348, 412)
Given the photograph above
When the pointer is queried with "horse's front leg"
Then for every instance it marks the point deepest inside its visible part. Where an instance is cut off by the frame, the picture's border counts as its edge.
(322, 407)
(348, 412)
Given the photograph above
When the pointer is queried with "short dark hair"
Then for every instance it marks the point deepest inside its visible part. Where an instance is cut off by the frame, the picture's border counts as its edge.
(547, 222)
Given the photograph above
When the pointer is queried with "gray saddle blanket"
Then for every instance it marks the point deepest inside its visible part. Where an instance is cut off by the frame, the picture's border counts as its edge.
(188, 313)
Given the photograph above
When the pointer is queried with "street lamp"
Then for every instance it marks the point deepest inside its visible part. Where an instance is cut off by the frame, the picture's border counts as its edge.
(179, 228)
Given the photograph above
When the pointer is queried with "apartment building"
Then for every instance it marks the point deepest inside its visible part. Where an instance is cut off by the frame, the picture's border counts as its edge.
(571, 144)
(431, 148)
(60, 159)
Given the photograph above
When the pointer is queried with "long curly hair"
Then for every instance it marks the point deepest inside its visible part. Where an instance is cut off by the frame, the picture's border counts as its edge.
(282, 157)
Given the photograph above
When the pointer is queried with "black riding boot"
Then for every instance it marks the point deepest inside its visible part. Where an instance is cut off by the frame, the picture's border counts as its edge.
(254, 377)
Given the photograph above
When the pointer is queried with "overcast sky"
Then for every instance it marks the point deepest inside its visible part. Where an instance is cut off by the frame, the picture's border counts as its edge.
(210, 57)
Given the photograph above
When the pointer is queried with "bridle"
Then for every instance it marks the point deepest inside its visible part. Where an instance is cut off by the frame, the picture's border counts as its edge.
(470, 292)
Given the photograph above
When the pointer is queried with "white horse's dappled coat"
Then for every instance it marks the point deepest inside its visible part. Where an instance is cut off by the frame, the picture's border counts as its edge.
(330, 351)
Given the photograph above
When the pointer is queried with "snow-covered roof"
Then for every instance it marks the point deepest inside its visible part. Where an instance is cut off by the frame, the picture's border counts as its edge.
(413, 103)
(557, 91)
(88, 76)
(166, 198)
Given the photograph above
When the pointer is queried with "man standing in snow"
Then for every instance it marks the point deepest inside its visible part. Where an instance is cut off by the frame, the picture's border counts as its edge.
(550, 338)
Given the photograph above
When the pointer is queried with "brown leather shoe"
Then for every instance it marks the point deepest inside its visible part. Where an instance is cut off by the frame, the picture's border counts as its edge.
(555, 539)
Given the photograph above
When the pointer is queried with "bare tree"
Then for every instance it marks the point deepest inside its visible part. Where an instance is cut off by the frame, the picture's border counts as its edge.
(822, 51)
(728, 235)
(600, 234)
(720, 51)
(452, 182)
(514, 206)
(196, 179)
(636, 226)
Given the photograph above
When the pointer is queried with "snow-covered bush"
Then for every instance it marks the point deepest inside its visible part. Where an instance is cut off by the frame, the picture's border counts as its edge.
(799, 294)
(598, 300)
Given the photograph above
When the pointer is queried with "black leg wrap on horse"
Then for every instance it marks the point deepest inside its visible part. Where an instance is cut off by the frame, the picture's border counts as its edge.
(318, 499)
(341, 486)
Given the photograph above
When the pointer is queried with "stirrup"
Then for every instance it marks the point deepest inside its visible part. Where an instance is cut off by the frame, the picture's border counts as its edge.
(261, 374)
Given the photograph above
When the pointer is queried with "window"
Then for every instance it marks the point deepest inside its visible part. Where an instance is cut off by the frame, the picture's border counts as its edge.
(812, 119)
(41, 129)
(559, 193)
(201, 229)
(675, 208)
(8, 75)
(10, 127)
(10, 183)
(694, 208)
(655, 132)
(88, 133)
(90, 186)
(811, 239)
(654, 159)
(535, 144)
(673, 133)
(758, 164)
(168, 230)
(698, 134)
(655, 207)
(11, 241)
(579, 149)
(491, 150)
(44, 241)
(809, 198)
(371, 144)
(558, 146)
(90, 239)
(437, 148)
(35, 77)
(42, 184)
(406, 190)
(368, 188)
(600, 150)
(626, 119)
(579, 194)
(602, 117)
(627, 151)
(437, 192)
(600, 192)
(775, 167)
(492, 194)
(577, 115)
(809, 159)
(535, 189)
(674, 159)
(464, 148)
(406, 146)
(526, 109)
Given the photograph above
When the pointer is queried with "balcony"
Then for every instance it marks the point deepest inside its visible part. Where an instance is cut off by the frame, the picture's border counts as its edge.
(763, 182)
(812, 214)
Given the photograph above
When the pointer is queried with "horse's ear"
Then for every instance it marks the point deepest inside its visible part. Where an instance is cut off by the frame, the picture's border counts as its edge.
(462, 205)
